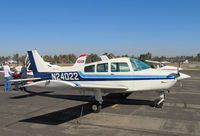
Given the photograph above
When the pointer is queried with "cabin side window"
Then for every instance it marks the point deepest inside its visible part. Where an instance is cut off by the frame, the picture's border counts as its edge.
(90, 68)
(102, 67)
(120, 67)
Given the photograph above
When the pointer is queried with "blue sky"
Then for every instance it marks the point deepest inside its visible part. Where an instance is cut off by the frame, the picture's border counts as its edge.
(162, 27)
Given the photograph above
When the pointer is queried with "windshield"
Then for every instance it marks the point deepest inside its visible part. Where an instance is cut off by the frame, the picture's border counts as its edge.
(138, 65)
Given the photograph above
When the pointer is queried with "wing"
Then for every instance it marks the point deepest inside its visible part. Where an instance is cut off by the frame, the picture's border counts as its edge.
(79, 86)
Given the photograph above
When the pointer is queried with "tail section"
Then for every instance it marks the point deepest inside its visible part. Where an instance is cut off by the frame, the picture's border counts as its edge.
(81, 60)
(37, 63)
(41, 68)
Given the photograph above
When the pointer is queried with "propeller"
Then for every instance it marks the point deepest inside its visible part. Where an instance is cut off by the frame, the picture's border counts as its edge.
(178, 73)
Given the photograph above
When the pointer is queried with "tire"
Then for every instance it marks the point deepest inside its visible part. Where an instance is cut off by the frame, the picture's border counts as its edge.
(158, 105)
(96, 107)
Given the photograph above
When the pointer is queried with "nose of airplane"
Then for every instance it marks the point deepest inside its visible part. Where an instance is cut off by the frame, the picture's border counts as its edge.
(183, 76)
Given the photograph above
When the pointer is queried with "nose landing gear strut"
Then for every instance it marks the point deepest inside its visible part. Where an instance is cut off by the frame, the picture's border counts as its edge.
(97, 105)
(158, 103)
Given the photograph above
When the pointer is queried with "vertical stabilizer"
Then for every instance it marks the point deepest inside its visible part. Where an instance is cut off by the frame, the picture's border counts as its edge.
(37, 63)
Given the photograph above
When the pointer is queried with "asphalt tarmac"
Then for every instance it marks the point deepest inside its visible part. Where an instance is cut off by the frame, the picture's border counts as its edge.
(45, 112)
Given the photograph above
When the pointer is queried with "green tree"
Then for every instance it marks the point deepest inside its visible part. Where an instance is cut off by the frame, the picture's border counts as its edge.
(92, 58)
(162, 58)
(56, 59)
(48, 58)
(146, 56)
(16, 57)
(72, 58)
(109, 55)
(22, 59)
(126, 55)
(156, 58)
(198, 57)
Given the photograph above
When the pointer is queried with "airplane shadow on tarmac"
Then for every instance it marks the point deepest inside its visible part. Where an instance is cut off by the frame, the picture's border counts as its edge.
(65, 115)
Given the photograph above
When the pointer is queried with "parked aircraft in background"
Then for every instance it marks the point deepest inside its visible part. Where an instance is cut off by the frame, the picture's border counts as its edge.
(119, 75)
(186, 61)
(162, 65)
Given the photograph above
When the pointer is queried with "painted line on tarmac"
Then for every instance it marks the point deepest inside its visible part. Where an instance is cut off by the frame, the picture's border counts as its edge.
(192, 93)
(115, 105)
(182, 105)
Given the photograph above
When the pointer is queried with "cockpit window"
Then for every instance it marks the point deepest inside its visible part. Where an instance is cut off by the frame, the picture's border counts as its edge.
(102, 67)
(89, 68)
(138, 65)
(120, 67)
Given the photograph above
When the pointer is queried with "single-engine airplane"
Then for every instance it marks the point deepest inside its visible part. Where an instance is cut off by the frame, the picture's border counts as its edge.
(118, 75)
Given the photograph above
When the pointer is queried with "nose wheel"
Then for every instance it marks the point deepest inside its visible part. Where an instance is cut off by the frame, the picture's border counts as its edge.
(158, 103)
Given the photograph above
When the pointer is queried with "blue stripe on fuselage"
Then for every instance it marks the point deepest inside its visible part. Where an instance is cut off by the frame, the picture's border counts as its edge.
(96, 77)
(79, 76)
(123, 76)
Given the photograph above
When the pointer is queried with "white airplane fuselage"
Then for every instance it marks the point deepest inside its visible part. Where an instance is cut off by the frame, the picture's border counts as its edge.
(120, 72)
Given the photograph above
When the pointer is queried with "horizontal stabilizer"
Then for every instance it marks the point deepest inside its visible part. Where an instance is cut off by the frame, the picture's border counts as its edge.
(26, 79)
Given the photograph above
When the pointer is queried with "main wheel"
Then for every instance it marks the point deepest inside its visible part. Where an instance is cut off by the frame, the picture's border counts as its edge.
(96, 107)
(160, 105)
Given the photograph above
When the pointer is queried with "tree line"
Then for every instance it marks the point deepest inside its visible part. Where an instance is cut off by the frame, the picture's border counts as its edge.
(71, 58)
